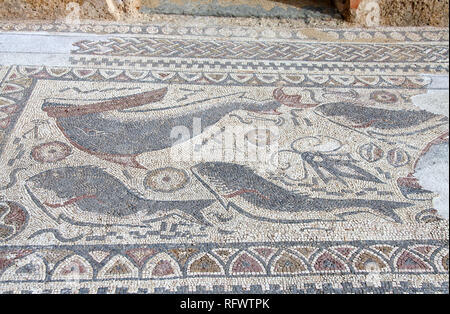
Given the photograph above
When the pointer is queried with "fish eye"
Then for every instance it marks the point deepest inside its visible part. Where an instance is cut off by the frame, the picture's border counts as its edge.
(57, 174)
(89, 131)
(79, 173)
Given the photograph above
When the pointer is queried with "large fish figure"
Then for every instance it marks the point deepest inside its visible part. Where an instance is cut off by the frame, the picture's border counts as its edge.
(357, 116)
(232, 181)
(93, 190)
(122, 140)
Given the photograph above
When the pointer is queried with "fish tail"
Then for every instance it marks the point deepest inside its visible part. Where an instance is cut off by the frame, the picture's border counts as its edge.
(387, 208)
(384, 207)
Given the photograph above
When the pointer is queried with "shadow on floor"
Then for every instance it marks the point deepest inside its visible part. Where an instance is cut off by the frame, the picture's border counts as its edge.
(291, 9)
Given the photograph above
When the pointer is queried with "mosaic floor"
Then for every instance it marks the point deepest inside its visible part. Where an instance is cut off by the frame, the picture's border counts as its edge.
(145, 159)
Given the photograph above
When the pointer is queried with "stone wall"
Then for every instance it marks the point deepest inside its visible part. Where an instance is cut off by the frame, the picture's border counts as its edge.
(414, 12)
(395, 12)
(66, 9)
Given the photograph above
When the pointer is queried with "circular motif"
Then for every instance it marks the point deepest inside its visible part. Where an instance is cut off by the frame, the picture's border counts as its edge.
(226, 32)
(167, 30)
(51, 152)
(151, 30)
(370, 152)
(166, 180)
(269, 33)
(98, 29)
(260, 137)
(110, 29)
(384, 97)
(365, 35)
(183, 31)
(196, 31)
(379, 35)
(136, 29)
(349, 35)
(211, 31)
(398, 157)
(371, 266)
(251, 33)
(13, 219)
(285, 34)
(121, 29)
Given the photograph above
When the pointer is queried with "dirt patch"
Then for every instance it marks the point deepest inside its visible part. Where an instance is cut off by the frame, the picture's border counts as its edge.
(395, 12)
(414, 12)
(62, 9)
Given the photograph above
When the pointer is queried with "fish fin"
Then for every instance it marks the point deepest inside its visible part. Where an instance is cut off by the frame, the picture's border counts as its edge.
(387, 208)
(193, 209)
(129, 161)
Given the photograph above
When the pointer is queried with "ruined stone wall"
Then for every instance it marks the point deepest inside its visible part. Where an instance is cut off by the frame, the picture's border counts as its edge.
(395, 12)
(414, 12)
(61, 9)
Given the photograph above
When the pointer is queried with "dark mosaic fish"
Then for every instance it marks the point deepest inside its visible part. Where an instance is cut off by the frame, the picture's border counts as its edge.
(56, 110)
(364, 117)
(122, 141)
(93, 190)
(233, 180)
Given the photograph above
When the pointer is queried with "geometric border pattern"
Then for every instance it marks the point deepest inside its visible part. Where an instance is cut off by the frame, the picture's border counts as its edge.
(386, 287)
(386, 34)
(392, 253)
(257, 50)
(289, 55)
(257, 66)
(414, 257)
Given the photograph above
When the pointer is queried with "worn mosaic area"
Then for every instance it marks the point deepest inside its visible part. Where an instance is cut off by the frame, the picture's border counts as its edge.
(101, 192)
